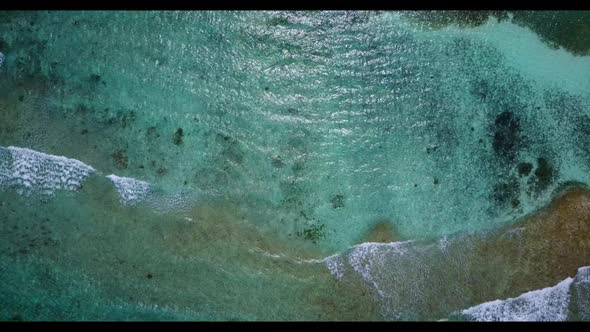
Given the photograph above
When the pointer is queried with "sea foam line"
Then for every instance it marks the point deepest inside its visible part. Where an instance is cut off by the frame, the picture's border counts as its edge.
(547, 304)
(130, 190)
(27, 170)
(30, 171)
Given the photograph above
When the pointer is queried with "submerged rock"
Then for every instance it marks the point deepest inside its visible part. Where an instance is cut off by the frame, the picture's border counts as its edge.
(337, 201)
(506, 135)
(382, 232)
(427, 280)
(544, 174)
(120, 158)
(524, 169)
(178, 136)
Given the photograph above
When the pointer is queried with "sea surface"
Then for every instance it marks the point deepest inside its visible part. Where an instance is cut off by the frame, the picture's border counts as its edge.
(315, 165)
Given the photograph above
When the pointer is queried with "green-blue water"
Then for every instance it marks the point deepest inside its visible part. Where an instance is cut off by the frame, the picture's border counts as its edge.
(264, 143)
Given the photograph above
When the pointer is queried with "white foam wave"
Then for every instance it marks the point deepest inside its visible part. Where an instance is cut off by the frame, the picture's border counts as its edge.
(583, 275)
(335, 264)
(547, 304)
(366, 259)
(130, 190)
(28, 171)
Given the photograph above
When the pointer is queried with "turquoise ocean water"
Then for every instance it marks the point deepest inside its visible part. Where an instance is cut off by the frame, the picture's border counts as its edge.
(236, 165)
